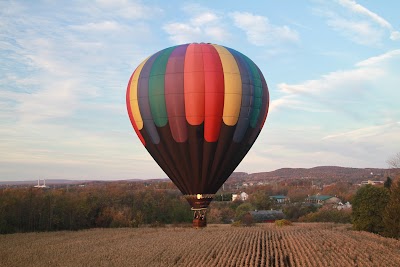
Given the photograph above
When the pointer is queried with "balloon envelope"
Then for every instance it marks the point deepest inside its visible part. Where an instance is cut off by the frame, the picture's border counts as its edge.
(197, 108)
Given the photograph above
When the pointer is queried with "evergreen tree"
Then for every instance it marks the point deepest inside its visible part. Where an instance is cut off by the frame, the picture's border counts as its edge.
(368, 207)
(388, 183)
(391, 216)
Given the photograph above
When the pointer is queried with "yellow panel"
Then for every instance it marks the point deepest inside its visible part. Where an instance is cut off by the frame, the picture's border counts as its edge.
(133, 96)
(233, 111)
(233, 83)
(233, 86)
(136, 113)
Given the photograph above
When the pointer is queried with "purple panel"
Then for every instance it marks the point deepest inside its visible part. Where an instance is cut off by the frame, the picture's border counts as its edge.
(143, 99)
(174, 94)
(247, 97)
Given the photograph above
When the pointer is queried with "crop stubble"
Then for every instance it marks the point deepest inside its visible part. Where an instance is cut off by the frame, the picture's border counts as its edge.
(217, 245)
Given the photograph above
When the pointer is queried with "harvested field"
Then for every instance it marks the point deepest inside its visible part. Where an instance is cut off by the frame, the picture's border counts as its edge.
(218, 245)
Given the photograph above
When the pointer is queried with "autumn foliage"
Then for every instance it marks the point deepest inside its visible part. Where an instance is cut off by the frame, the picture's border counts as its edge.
(105, 205)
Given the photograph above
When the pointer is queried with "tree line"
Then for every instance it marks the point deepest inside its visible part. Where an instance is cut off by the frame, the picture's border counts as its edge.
(122, 204)
(112, 205)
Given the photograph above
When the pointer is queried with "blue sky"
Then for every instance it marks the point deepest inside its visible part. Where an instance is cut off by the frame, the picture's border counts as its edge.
(332, 68)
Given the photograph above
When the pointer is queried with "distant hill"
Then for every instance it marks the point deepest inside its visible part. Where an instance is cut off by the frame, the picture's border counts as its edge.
(48, 182)
(52, 182)
(321, 173)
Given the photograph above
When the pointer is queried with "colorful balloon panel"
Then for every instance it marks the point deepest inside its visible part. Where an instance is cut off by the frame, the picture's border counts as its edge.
(197, 108)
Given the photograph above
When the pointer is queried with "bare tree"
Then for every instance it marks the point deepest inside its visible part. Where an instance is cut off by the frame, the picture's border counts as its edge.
(394, 162)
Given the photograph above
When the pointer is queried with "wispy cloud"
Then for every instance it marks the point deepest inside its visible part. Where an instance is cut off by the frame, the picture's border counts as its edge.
(65, 66)
(98, 26)
(359, 9)
(132, 10)
(204, 18)
(357, 23)
(371, 82)
(381, 59)
(261, 32)
(366, 132)
(62, 88)
(291, 101)
(205, 24)
(355, 80)
(201, 25)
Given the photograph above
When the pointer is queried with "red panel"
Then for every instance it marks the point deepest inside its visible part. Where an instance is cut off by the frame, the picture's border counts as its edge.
(194, 85)
(214, 92)
(128, 106)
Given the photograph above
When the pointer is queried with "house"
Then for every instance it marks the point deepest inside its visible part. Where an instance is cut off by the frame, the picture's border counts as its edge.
(242, 196)
(280, 199)
(344, 206)
(322, 200)
(372, 182)
(260, 216)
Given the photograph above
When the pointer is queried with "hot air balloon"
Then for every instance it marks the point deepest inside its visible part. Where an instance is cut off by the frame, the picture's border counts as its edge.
(197, 108)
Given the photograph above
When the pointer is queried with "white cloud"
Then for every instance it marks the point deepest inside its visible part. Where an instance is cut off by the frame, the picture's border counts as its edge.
(260, 31)
(378, 60)
(370, 85)
(204, 18)
(357, 8)
(354, 80)
(361, 32)
(202, 25)
(182, 33)
(291, 101)
(62, 91)
(48, 103)
(369, 142)
(217, 33)
(366, 132)
(129, 9)
(98, 26)
(350, 81)
(395, 35)
(206, 25)
(357, 23)
(63, 75)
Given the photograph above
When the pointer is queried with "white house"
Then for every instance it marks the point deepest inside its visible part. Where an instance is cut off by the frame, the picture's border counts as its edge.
(344, 206)
(242, 196)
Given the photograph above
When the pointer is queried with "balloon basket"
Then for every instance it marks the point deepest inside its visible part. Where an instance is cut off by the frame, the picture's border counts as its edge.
(199, 218)
(199, 203)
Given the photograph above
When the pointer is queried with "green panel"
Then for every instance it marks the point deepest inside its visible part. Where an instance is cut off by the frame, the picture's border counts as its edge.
(156, 88)
(258, 92)
(257, 102)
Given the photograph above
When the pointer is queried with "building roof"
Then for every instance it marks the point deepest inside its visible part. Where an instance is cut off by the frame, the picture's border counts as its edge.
(320, 197)
(279, 197)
